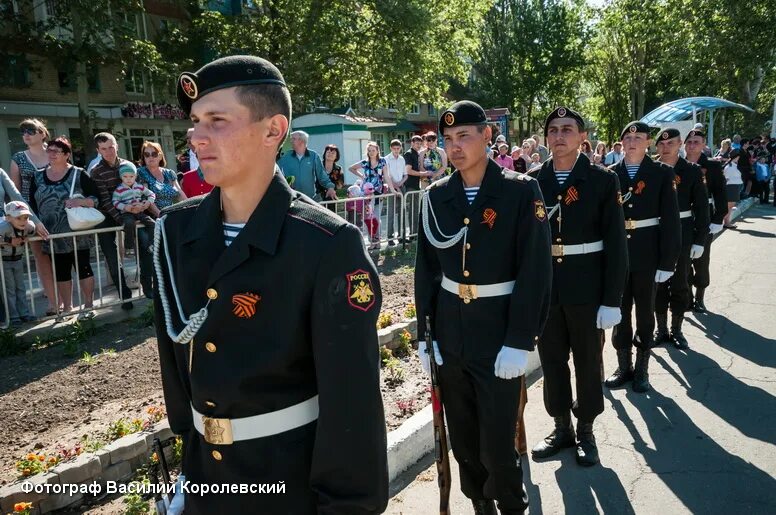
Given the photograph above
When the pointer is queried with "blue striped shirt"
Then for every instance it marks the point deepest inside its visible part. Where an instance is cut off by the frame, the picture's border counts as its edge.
(562, 175)
(231, 231)
(632, 169)
(471, 193)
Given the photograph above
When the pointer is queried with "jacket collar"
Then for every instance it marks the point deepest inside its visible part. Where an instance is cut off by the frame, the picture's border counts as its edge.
(549, 181)
(488, 189)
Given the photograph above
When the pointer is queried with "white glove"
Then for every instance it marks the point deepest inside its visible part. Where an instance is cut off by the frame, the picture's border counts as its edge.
(608, 317)
(423, 355)
(715, 228)
(662, 276)
(696, 251)
(176, 506)
(511, 363)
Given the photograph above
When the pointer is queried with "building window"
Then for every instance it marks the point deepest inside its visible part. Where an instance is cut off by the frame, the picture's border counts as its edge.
(432, 111)
(415, 109)
(379, 138)
(391, 106)
(138, 136)
(134, 81)
(14, 71)
(67, 79)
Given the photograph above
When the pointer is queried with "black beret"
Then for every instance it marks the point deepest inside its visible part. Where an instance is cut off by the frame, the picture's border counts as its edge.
(236, 70)
(635, 127)
(564, 112)
(695, 132)
(667, 134)
(464, 112)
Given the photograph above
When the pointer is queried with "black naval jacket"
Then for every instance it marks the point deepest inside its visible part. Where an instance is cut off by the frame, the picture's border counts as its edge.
(692, 196)
(590, 211)
(508, 240)
(715, 185)
(311, 331)
(652, 196)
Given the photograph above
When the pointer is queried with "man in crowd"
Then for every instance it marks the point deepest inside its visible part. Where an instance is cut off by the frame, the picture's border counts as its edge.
(653, 232)
(544, 153)
(590, 261)
(615, 155)
(715, 186)
(105, 175)
(274, 381)
(483, 275)
(694, 214)
(414, 173)
(304, 170)
(397, 176)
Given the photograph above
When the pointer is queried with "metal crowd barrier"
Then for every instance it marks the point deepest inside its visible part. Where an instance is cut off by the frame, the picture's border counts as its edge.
(99, 296)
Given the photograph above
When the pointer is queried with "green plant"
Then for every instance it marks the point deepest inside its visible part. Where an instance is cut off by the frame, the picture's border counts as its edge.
(88, 359)
(135, 502)
(395, 370)
(385, 355)
(91, 444)
(108, 352)
(384, 320)
(123, 427)
(177, 451)
(146, 318)
(404, 346)
(410, 311)
(75, 337)
(10, 345)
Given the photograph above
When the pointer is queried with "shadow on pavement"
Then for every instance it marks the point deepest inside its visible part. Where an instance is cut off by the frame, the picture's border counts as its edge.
(736, 339)
(703, 476)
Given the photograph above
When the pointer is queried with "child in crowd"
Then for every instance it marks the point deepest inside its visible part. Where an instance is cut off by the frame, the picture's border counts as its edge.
(14, 229)
(371, 218)
(355, 208)
(129, 194)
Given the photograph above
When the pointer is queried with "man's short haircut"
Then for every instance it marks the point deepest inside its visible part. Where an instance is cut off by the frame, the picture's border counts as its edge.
(430, 136)
(616, 143)
(265, 100)
(395, 143)
(102, 137)
(302, 135)
(416, 138)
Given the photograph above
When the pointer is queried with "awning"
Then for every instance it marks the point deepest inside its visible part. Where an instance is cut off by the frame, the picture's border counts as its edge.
(683, 109)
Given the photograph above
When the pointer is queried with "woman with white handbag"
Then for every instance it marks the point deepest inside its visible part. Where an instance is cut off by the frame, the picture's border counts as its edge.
(64, 198)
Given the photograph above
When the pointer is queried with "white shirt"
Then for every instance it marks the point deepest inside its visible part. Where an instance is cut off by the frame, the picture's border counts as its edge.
(732, 174)
(94, 162)
(612, 158)
(396, 167)
(193, 161)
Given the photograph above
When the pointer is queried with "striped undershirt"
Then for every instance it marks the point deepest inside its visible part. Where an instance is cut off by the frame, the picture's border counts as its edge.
(632, 169)
(562, 175)
(471, 193)
(231, 231)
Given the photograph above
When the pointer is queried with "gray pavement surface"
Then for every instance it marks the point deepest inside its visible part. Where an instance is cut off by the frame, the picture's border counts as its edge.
(703, 440)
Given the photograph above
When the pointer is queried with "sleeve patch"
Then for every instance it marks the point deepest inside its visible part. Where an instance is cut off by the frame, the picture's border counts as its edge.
(539, 210)
(360, 291)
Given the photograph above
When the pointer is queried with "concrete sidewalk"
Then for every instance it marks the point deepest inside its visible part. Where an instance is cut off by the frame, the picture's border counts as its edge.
(703, 440)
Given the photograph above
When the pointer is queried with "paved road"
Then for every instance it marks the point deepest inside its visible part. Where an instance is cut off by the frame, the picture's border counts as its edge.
(702, 441)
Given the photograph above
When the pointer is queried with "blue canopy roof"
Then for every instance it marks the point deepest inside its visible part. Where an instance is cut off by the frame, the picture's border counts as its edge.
(682, 109)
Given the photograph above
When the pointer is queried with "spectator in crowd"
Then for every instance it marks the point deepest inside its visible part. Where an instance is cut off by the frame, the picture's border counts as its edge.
(615, 155)
(433, 160)
(500, 139)
(519, 164)
(529, 147)
(162, 181)
(745, 166)
(725, 147)
(371, 216)
(395, 179)
(414, 173)
(503, 159)
(543, 151)
(600, 153)
(587, 148)
(187, 161)
(106, 177)
(16, 227)
(304, 171)
(736, 144)
(49, 196)
(355, 208)
(371, 170)
(193, 184)
(128, 194)
(763, 177)
(24, 165)
(734, 184)
(536, 161)
(331, 155)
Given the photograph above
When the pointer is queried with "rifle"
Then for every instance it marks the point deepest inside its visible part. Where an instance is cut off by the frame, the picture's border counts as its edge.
(440, 432)
(161, 500)
(521, 443)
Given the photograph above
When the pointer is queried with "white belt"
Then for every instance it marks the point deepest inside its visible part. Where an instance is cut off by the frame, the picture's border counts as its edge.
(473, 291)
(224, 431)
(685, 214)
(711, 201)
(638, 224)
(581, 248)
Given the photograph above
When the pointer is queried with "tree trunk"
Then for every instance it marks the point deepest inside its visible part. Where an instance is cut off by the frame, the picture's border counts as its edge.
(82, 88)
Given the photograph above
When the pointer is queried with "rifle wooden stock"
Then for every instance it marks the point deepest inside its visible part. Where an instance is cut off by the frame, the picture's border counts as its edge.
(441, 454)
(521, 443)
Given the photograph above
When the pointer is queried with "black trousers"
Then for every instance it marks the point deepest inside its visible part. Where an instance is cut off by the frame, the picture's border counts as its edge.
(572, 328)
(481, 412)
(699, 269)
(675, 292)
(639, 290)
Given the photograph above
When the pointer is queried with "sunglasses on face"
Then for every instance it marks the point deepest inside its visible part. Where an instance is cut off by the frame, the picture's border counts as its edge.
(151, 154)
(29, 132)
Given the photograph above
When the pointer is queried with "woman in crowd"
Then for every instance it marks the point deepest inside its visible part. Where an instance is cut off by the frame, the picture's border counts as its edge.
(24, 165)
(724, 150)
(331, 155)
(503, 159)
(734, 184)
(162, 181)
(519, 164)
(372, 170)
(587, 149)
(600, 153)
(433, 160)
(49, 196)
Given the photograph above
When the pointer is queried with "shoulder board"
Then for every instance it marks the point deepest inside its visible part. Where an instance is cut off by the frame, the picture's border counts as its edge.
(304, 209)
(516, 176)
(439, 182)
(185, 204)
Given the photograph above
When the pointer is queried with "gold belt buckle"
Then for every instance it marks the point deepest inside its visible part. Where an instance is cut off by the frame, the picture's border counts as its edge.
(630, 224)
(557, 250)
(467, 292)
(218, 431)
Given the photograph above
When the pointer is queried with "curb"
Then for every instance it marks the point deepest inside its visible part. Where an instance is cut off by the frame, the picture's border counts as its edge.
(742, 207)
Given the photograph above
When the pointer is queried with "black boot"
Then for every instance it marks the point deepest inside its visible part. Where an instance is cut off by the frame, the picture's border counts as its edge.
(676, 333)
(661, 335)
(560, 438)
(641, 371)
(624, 372)
(699, 306)
(484, 507)
(587, 450)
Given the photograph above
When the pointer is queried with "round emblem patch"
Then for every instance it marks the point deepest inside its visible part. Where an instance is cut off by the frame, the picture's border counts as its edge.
(633, 128)
(665, 135)
(449, 119)
(562, 112)
(189, 86)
